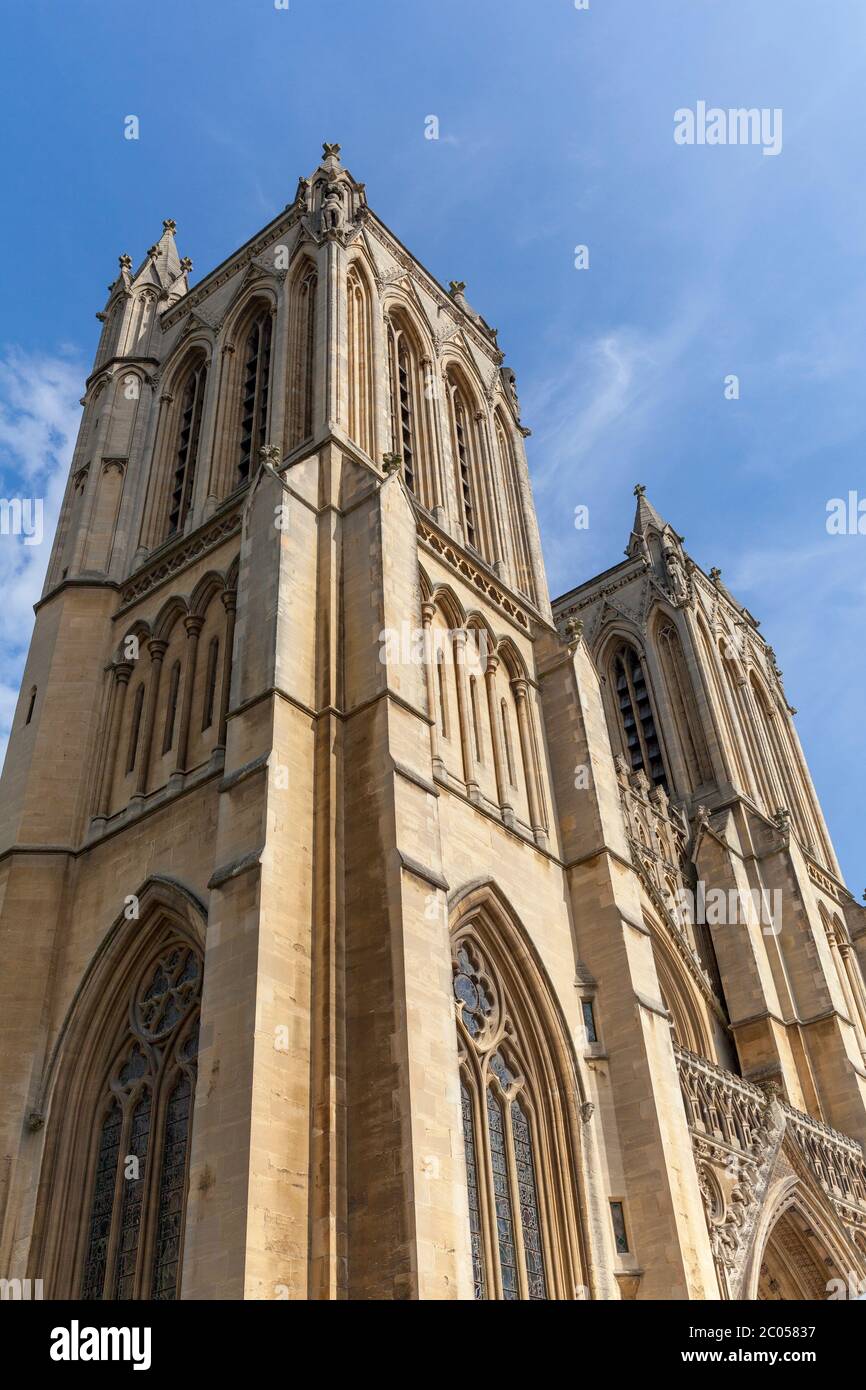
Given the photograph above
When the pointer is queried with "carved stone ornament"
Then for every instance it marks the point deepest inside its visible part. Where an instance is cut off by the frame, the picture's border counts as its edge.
(271, 454)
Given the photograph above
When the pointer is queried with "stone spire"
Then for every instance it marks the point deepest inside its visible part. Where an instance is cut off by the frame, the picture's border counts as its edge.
(646, 519)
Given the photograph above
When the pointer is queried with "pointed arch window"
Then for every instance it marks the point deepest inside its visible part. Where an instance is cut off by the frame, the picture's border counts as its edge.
(514, 511)
(360, 361)
(302, 347)
(137, 1189)
(187, 450)
(509, 1208)
(687, 721)
(631, 693)
(463, 452)
(255, 390)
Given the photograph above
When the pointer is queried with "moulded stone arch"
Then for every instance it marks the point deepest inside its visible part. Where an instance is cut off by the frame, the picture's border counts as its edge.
(141, 630)
(618, 636)
(449, 605)
(162, 911)
(172, 611)
(537, 1034)
(398, 303)
(512, 659)
(191, 355)
(253, 301)
(819, 1248)
(210, 584)
(477, 622)
(681, 996)
(251, 297)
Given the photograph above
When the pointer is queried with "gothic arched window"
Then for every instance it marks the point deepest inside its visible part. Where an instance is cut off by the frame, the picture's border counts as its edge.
(637, 723)
(186, 451)
(255, 387)
(681, 694)
(137, 1189)
(514, 512)
(464, 449)
(361, 408)
(302, 346)
(511, 1216)
(410, 427)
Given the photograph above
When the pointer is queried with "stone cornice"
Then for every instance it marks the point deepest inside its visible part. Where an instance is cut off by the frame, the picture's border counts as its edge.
(476, 574)
(182, 552)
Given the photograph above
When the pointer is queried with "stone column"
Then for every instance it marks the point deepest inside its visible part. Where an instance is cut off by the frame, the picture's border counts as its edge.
(122, 673)
(193, 624)
(520, 688)
(502, 795)
(157, 649)
(458, 644)
(427, 612)
(230, 603)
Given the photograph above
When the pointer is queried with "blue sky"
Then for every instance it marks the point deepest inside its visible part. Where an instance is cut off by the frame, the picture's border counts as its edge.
(556, 129)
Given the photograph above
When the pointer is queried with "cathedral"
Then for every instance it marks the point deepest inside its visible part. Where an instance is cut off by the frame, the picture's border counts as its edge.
(371, 926)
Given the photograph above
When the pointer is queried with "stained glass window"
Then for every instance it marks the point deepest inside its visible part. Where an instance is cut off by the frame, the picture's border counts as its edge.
(502, 1199)
(132, 1192)
(589, 1021)
(102, 1203)
(469, 989)
(501, 1119)
(472, 1184)
(619, 1231)
(135, 1225)
(528, 1197)
(169, 1230)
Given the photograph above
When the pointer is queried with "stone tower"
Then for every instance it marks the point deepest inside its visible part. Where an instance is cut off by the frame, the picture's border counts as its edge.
(344, 889)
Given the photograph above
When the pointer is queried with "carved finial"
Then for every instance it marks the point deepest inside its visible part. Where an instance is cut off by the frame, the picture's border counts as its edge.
(153, 251)
(271, 453)
(715, 574)
(457, 286)
(169, 225)
(331, 151)
(185, 264)
(639, 490)
(392, 463)
(125, 262)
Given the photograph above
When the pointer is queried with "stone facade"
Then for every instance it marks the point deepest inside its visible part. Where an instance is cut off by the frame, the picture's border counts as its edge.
(370, 926)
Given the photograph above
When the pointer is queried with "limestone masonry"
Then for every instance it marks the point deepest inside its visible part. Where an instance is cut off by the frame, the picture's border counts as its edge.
(344, 880)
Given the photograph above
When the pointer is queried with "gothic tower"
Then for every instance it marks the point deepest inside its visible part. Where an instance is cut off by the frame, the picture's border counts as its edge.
(343, 880)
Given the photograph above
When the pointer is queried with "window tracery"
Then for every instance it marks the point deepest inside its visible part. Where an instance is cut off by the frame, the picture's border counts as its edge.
(636, 718)
(500, 1141)
(134, 1232)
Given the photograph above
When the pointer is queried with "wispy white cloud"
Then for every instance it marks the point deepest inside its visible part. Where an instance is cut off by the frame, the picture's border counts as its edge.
(598, 417)
(39, 416)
